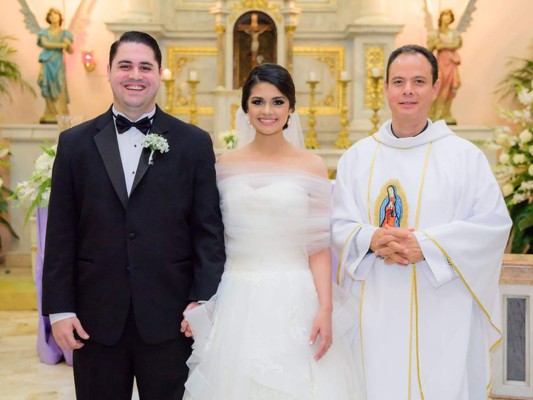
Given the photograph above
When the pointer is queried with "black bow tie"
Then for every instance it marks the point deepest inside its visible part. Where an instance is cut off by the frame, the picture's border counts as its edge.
(123, 124)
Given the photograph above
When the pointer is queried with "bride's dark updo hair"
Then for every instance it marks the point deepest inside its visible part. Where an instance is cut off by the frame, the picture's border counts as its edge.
(270, 73)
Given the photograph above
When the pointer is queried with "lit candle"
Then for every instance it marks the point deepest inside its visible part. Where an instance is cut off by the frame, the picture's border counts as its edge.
(345, 76)
(376, 72)
(167, 74)
(312, 76)
(193, 75)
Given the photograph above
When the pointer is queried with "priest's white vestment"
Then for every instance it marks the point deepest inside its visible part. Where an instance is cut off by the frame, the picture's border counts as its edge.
(427, 329)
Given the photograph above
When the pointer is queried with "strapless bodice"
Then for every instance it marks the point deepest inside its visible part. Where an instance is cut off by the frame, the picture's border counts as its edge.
(257, 220)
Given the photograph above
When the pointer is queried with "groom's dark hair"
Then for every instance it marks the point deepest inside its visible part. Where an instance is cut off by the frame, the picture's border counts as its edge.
(136, 37)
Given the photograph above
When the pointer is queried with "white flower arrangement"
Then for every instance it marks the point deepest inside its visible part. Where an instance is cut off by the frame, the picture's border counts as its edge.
(228, 139)
(155, 142)
(36, 190)
(515, 170)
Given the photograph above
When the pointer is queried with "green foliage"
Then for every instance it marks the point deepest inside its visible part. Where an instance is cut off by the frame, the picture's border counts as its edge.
(515, 162)
(5, 193)
(520, 76)
(9, 70)
(35, 192)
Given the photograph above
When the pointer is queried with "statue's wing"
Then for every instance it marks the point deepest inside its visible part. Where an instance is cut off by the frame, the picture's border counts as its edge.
(428, 18)
(29, 17)
(80, 18)
(466, 18)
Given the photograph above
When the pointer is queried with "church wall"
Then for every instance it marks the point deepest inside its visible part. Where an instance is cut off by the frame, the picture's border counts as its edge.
(193, 21)
(496, 34)
(89, 92)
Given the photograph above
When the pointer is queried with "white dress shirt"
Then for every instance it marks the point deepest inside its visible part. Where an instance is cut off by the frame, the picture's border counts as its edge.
(130, 148)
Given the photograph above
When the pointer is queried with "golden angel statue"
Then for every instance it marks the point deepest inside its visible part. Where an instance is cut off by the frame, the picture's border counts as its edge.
(446, 42)
(54, 41)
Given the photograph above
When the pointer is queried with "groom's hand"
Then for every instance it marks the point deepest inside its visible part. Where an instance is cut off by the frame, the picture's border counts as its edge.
(63, 332)
(185, 327)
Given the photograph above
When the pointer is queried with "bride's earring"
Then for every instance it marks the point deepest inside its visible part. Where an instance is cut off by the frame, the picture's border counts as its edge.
(289, 120)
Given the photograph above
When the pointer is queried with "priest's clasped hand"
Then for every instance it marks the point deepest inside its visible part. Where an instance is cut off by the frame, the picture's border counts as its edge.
(396, 246)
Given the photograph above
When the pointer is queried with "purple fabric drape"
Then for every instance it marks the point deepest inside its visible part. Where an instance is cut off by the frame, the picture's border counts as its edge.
(334, 266)
(47, 348)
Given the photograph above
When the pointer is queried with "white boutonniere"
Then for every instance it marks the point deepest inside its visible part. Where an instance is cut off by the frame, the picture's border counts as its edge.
(155, 142)
(229, 139)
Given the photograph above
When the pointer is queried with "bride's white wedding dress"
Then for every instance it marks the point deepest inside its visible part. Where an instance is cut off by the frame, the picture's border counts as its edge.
(258, 346)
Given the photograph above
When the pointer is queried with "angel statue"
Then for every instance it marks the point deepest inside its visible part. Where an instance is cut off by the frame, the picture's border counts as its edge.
(446, 41)
(54, 41)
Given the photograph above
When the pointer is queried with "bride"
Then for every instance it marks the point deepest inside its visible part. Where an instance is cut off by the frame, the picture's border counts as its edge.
(278, 332)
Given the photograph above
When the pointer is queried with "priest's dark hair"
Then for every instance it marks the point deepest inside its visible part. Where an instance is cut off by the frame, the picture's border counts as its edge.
(136, 37)
(413, 49)
(275, 75)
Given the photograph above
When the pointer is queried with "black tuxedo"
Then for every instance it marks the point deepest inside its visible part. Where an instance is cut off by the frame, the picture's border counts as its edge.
(108, 256)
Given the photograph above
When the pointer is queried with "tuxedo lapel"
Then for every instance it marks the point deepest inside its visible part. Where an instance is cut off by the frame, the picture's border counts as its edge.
(106, 142)
(161, 127)
(141, 168)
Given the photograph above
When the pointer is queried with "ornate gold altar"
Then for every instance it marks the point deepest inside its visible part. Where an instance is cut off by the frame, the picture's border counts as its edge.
(250, 32)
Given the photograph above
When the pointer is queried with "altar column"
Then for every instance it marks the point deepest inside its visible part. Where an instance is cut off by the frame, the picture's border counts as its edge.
(364, 35)
(289, 43)
(290, 14)
(220, 13)
(221, 52)
(137, 15)
(373, 12)
(137, 10)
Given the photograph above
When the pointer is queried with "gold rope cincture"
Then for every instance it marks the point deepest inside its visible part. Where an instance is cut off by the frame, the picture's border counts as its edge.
(456, 269)
(370, 181)
(339, 262)
(348, 239)
(414, 291)
(361, 335)
(414, 288)
(363, 284)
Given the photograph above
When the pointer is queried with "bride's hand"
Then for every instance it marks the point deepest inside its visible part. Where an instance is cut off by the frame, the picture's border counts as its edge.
(322, 327)
(184, 326)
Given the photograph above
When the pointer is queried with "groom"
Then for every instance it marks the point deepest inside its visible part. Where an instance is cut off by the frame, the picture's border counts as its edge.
(134, 236)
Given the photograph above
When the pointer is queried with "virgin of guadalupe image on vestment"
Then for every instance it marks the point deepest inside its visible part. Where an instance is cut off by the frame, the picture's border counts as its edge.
(391, 207)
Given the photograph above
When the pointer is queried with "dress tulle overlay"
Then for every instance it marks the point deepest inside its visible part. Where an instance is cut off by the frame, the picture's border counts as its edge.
(258, 344)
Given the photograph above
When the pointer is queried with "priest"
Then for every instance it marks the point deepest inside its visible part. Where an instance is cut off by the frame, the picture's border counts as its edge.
(419, 227)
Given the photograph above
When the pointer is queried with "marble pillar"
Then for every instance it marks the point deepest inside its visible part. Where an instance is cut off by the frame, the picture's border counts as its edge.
(136, 10)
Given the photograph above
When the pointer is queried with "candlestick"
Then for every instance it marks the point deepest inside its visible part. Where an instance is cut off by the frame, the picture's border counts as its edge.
(192, 103)
(169, 90)
(374, 62)
(345, 76)
(375, 101)
(167, 74)
(343, 138)
(311, 141)
(193, 75)
(312, 76)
